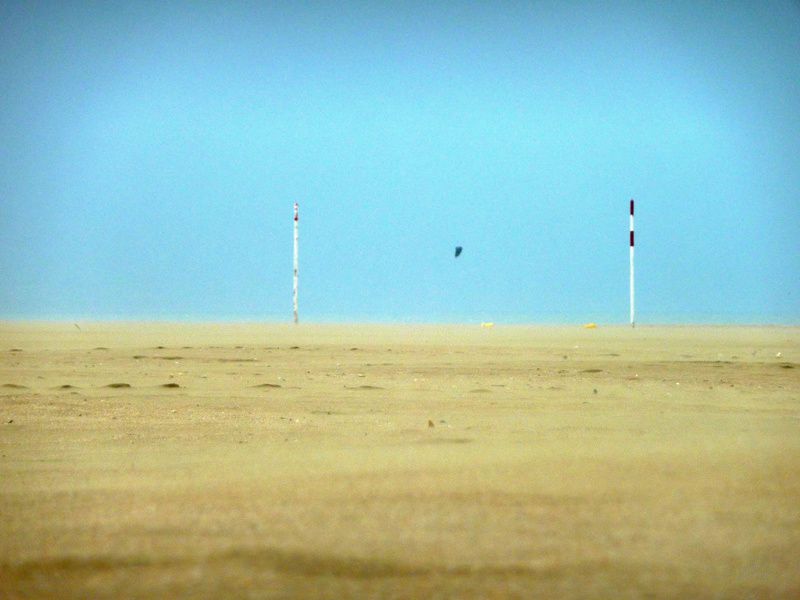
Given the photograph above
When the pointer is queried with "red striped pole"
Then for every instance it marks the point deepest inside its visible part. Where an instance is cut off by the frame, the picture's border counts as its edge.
(296, 261)
(633, 323)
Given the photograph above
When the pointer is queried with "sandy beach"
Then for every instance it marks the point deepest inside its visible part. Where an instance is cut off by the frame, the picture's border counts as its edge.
(146, 460)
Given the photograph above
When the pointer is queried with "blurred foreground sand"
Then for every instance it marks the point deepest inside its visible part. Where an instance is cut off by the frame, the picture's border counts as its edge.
(259, 461)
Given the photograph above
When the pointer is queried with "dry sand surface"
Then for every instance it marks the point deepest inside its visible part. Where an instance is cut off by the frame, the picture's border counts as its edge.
(280, 461)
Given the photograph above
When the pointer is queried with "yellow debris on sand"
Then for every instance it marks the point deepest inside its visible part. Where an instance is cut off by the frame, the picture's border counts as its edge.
(590, 326)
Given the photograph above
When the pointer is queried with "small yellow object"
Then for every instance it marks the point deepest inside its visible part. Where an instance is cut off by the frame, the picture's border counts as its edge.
(590, 326)
(487, 325)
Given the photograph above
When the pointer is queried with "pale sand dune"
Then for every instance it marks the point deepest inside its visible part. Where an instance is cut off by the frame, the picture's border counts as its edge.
(260, 461)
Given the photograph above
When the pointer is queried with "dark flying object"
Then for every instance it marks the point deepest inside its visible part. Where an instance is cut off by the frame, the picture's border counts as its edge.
(458, 251)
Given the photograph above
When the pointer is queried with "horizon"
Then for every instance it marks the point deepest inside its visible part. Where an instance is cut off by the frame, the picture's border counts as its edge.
(190, 321)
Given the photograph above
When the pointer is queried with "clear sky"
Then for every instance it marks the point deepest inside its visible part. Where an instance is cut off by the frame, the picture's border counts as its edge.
(151, 153)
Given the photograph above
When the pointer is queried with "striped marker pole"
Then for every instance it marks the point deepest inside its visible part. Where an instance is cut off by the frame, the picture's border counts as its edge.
(296, 260)
(633, 323)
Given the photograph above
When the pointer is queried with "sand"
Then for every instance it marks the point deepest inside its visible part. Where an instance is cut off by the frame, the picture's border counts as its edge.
(279, 461)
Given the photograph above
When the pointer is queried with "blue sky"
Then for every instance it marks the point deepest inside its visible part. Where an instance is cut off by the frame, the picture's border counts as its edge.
(152, 152)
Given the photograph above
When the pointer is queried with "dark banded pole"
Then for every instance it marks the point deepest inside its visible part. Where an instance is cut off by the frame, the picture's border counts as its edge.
(633, 322)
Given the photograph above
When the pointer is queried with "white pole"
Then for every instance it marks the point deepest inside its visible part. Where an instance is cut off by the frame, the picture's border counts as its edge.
(633, 322)
(296, 260)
